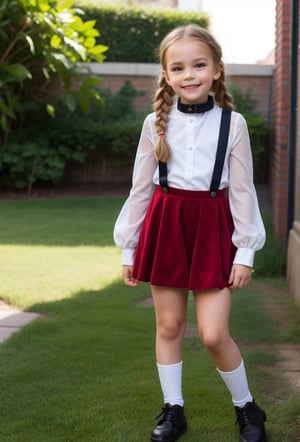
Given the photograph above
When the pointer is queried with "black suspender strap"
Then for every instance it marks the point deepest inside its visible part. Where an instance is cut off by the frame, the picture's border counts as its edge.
(219, 162)
(221, 152)
(163, 176)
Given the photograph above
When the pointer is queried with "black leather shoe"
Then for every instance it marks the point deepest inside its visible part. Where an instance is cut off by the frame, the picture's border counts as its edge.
(251, 420)
(171, 425)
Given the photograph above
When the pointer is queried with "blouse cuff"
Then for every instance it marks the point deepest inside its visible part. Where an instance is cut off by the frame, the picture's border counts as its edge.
(244, 257)
(127, 257)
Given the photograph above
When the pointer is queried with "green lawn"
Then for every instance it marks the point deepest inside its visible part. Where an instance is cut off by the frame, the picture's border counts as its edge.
(86, 370)
(53, 249)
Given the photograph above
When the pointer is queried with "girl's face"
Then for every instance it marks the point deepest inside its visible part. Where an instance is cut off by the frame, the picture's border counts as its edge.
(190, 70)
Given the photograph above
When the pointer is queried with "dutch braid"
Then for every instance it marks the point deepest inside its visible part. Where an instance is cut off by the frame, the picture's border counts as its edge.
(163, 100)
(222, 96)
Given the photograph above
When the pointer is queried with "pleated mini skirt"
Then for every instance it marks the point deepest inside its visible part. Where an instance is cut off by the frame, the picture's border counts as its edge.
(185, 241)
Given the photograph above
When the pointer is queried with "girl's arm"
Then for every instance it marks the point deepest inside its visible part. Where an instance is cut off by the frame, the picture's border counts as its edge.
(249, 232)
(131, 217)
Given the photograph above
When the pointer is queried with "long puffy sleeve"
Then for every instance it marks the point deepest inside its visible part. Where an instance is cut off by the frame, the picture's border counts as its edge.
(249, 232)
(129, 222)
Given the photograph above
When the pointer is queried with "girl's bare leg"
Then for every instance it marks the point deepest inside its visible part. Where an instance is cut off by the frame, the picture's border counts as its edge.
(213, 311)
(170, 309)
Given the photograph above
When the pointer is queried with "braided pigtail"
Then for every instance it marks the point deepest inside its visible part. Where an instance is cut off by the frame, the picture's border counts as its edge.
(163, 100)
(222, 96)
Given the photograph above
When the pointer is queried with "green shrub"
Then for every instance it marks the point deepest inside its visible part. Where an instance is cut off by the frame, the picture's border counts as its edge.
(114, 127)
(39, 152)
(271, 260)
(133, 34)
(258, 131)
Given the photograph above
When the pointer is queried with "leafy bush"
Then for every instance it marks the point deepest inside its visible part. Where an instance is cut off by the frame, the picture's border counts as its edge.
(39, 152)
(258, 131)
(114, 127)
(132, 33)
(271, 260)
(41, 44)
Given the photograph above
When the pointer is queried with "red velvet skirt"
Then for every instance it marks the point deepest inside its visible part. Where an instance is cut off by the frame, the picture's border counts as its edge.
(185, 241)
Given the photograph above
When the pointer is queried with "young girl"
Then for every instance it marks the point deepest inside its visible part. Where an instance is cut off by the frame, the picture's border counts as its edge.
(192, 221)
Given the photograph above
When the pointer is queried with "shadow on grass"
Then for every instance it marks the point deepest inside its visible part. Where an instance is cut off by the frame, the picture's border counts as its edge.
(86, 372)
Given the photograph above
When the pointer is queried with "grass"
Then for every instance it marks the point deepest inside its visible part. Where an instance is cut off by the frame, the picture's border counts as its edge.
(58, 248)
(270, 261)
(86, 370)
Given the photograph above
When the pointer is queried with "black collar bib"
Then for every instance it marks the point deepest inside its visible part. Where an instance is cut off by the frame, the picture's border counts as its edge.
(196, 108)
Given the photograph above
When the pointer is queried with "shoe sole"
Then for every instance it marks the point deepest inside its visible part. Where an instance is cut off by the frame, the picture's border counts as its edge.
(183, 430)
(265, 439)
(262, 440)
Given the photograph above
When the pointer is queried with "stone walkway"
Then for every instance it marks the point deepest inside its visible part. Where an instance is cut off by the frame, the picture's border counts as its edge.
(12, 319)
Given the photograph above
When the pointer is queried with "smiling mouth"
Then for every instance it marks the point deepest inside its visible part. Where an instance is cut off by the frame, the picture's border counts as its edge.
(191, 86)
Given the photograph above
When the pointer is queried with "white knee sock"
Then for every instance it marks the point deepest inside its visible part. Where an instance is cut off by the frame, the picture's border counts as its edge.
(170, 377)
(237, 384)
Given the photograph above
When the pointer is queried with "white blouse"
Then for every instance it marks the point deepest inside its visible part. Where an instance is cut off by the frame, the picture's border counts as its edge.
(193, 140)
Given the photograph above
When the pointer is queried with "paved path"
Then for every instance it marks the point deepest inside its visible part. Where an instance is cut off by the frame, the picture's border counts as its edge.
(12, 319)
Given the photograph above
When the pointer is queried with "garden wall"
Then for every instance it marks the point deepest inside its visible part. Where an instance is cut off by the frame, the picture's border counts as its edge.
(97, 169)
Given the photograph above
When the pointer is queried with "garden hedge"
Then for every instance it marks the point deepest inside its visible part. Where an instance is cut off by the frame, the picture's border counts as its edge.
(133, 34)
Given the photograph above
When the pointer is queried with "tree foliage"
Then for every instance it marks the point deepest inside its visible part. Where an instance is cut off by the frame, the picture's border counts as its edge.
(41, 44)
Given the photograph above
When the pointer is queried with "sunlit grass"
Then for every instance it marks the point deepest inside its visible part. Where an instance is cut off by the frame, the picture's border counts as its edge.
(85, 371)
(50, 250)
(33, 274)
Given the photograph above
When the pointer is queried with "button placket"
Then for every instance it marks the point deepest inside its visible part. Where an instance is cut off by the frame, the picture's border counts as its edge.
(189, 150)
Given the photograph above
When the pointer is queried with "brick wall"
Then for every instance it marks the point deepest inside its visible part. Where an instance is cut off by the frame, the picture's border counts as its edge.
(281, 119)
(293, 249)
(257, 78)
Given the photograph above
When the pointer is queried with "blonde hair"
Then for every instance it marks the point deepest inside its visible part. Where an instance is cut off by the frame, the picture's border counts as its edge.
(164, 97)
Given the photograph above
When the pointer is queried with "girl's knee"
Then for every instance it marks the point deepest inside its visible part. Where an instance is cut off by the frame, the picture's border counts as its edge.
(170, 328)
(213, 341)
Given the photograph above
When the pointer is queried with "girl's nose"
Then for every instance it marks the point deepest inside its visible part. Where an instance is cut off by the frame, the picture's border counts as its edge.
(189, 74)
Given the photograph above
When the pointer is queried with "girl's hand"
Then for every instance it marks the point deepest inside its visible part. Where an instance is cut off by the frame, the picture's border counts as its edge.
(128, 280)
(240, 275)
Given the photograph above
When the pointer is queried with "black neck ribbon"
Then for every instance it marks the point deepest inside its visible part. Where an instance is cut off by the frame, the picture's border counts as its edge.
(196, 108)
